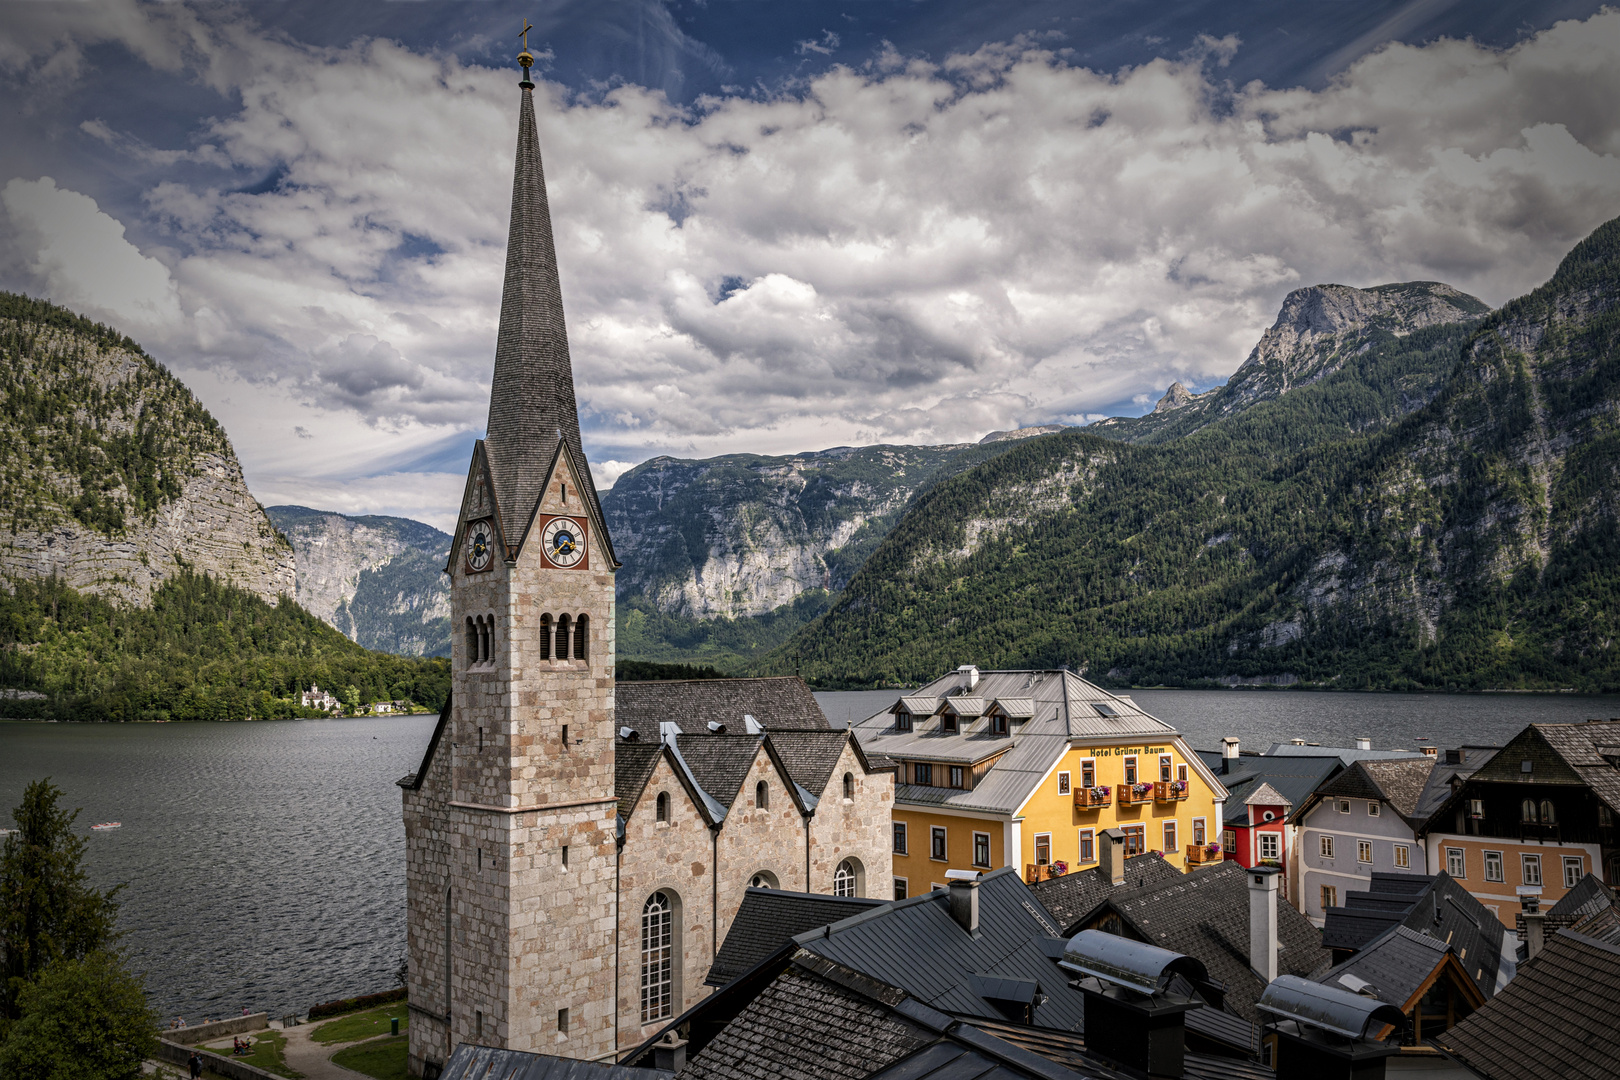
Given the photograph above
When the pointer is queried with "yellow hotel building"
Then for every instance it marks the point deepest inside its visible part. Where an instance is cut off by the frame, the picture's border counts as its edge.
(1026, 768)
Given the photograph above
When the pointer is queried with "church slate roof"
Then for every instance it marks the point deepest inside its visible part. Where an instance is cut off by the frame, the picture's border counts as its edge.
(633, 764)
(531, 405)
(471, 1062)
(768, 919)
(810, 756)
(783, 703)
(719, 763)
(1205, 915)
(1559, 1019)
(1072, 897)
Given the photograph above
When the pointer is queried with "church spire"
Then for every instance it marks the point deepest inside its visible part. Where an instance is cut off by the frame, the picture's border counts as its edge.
(531, 405)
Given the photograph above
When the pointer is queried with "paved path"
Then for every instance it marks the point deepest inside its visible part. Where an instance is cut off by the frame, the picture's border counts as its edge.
(305, 1055)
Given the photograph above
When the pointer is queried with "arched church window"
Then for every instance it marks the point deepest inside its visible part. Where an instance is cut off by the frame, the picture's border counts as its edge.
(849, 786)
(845, 878)
(582, 634)
(563, 627)
(472, 642)
(545, 637)
(663, 806)
(762, 795)
(657, 958)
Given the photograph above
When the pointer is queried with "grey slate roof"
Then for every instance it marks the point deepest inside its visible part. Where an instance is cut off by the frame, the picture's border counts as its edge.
(633, 764)
(470, 1062)
(805, 1026)
(1073, 896)
(531, 401)
(1205, 915)
(1399, 782)
(917, 946)
(1437, 789)
(1434, 906)
(1345, 754)
(719, 763)
(1068, 1048)
(1395, 965)
(809, 755)
(768, 919)
(1588, 897)
(1591, 749)
(1063, 707)
(780, 704)
(1293, 776)
(1559, 1019)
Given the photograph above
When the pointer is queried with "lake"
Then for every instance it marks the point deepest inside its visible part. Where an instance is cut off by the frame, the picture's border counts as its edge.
(264, 862)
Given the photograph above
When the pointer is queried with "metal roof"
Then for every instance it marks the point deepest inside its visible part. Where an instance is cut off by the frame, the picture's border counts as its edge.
(1135, 965)
(1339, 1011)
(1392, 968)
(1060, 711)
(1346, 754)
(487, 1063)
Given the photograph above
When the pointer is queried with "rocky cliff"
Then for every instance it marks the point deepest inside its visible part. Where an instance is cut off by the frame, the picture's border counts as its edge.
(112, 475)
(1317, 332)
(377, 579)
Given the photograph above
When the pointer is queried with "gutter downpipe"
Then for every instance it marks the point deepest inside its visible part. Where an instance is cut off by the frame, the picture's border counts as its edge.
(618, 912)
(807, 818)
(714, 894)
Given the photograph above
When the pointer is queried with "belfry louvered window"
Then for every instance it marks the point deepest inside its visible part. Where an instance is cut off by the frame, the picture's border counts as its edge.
(545, 637)
(563, 626)
(657, 959)
(582, 636)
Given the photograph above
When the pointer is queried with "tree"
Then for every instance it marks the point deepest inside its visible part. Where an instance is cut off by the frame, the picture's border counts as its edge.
(83, 1019)
(48, 913)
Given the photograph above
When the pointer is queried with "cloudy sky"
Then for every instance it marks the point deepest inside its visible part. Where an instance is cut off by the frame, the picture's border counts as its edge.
(782, 226)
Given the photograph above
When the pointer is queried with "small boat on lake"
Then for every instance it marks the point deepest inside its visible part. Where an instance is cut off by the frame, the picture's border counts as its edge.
(109, 825)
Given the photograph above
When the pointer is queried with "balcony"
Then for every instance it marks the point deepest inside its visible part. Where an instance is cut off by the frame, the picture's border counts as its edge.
(1093, 798)
(1201, 854)
(1135, 794)
(1034, 872)
(1531, 830)
(1169, 791)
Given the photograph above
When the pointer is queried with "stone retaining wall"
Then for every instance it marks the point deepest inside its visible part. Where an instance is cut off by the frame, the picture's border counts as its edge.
(234, 1025)
(175, 1054)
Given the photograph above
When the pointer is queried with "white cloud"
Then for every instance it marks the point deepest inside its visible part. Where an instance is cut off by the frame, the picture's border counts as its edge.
(80, 257)
(908, 251)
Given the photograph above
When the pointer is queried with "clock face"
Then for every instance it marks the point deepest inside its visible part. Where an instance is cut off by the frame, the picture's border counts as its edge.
(480, 545)
(564, 541)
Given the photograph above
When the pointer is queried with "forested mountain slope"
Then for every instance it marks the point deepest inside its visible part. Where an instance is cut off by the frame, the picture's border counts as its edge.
(380, 580)
(1471, 544)
(113, 476)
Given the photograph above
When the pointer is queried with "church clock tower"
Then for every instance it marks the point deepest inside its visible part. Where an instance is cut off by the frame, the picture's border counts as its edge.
(510, 822)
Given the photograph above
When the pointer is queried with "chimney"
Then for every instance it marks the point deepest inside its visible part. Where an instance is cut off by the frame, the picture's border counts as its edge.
(964, 898)
(669, 1053)
(1535, 923)
(1133, 1016)
(1229, 753)
(1263, 881)
(1111, 855)
(1363, 742)
(1327, 1032)
(970, 675)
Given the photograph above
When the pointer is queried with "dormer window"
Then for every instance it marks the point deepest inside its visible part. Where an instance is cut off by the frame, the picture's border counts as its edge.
(902, 721)
(998, 724)
(947, 723)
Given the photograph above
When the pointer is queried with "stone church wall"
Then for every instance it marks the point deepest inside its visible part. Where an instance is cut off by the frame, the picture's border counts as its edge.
(753, 840)
(860, 827)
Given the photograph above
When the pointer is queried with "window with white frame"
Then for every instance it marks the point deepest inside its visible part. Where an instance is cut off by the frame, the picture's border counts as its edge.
(1181, 773)
(1088, 845)
(1325, 846)
(1364, 851)
(1456, 865)
(657, 958)
(1530, 869)
(1165, 765)
(1200, 831)
(936, 843)
(1574, 870)
(1493, 866)
(1270, 845)
(1043, 848)
(1063, 783)
(1344, 806)
(1403, 857)
(1130, 770)
(1373, 809)
(844, 879)
(981, 849)
(1330, 896)
(1088, 773)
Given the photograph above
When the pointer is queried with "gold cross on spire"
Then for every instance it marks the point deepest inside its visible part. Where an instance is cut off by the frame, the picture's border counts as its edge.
(524, 34)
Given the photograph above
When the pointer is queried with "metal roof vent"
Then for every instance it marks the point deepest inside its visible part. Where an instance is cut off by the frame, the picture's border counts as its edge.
(1131, 1017)
(717, 728)
(668, 730)
(1132, 965)
(752, 726)
(629, 734)
(1327, 1033)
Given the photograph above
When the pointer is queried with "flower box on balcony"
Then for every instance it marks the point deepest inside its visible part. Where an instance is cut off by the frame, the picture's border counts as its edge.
(1135, 794)
(1093, 798)
(1169, 791)
(1199, 854)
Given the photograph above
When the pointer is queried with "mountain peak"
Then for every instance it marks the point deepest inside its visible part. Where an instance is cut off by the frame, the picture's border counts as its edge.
(1174, 398)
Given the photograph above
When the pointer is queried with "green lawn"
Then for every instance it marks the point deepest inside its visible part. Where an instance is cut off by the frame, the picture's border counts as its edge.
(383, 1059)
(267, 1053)
(361, 1025)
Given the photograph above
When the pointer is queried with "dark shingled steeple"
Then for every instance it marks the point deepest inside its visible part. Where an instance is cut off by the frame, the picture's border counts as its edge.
(531, 405)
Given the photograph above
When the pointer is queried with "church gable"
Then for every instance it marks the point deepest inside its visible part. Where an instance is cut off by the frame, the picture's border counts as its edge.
(478, 504)
(566, 494)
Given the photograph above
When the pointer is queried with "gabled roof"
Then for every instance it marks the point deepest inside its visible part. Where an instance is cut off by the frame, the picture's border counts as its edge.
(769, 919)
(1061, 706)
(809, 756)
(1437, 789)
(1397, 967)
(779, 704)
(1292, 777)
(633, 764)
(470, 1062)
(1397, 782)
(1263, 794)
(1205, 915)
(719, 763)
(1558, 1019)
(1073, 896)
(1588, 897)
(1437, 907)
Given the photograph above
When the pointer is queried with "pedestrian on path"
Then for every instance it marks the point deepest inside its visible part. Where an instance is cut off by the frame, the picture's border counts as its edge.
(196, 1065)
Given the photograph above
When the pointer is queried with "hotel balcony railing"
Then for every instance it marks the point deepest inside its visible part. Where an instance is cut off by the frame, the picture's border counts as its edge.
(1135, 795)
(1093, 798)
(1170, 791)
